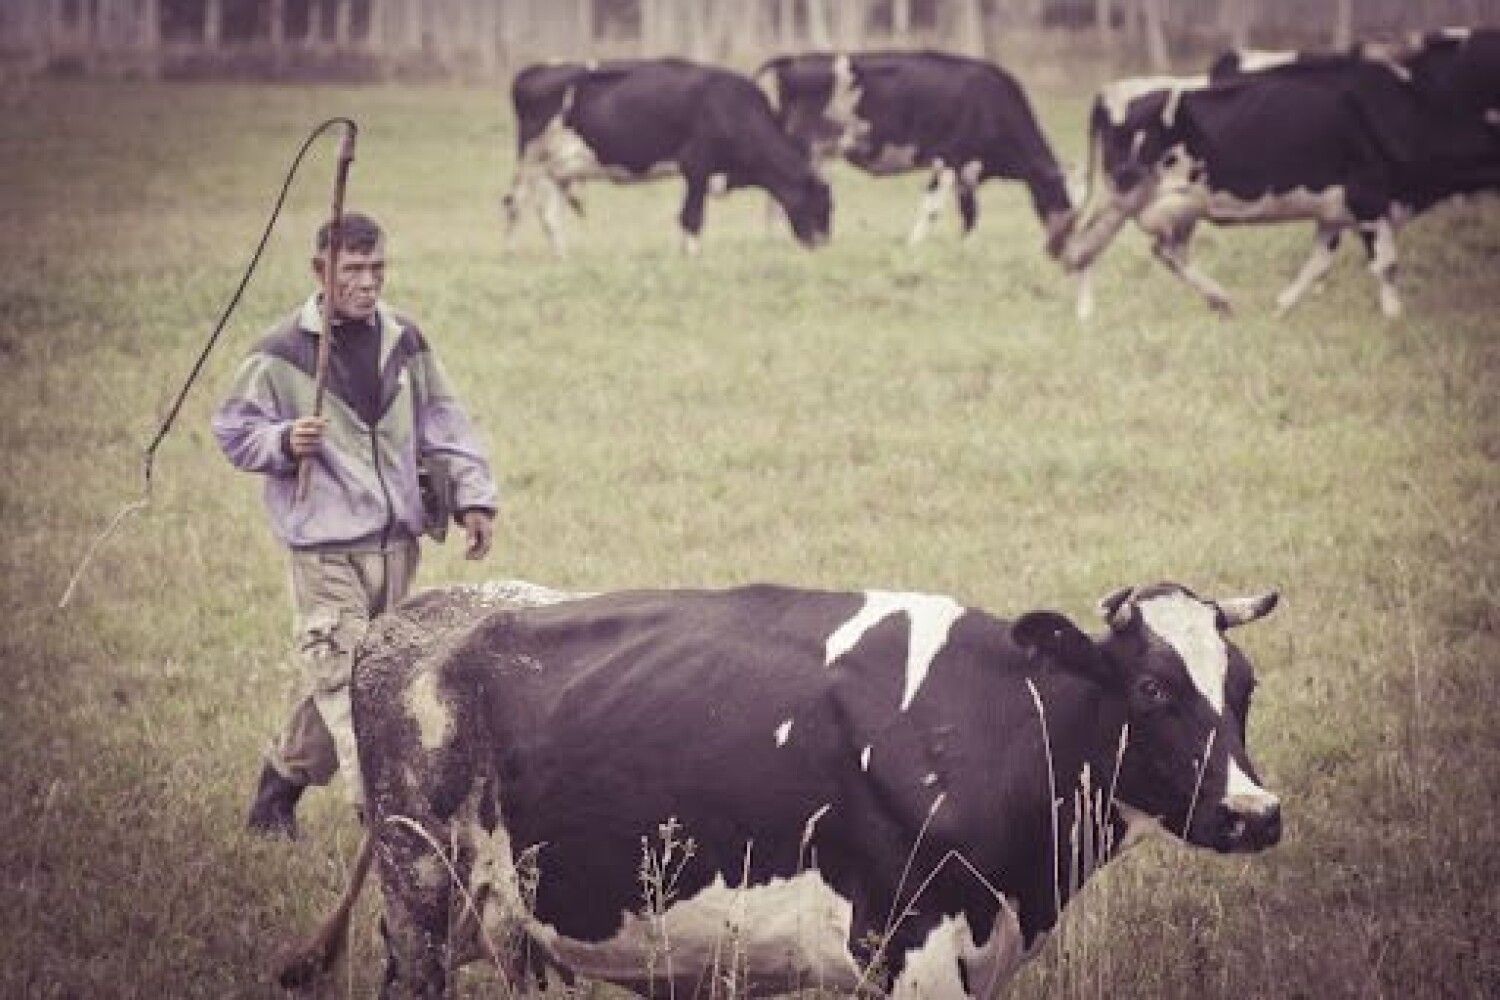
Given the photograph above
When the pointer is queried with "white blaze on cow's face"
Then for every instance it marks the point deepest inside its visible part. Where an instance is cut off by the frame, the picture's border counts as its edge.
(931, 615)
(1190, 628)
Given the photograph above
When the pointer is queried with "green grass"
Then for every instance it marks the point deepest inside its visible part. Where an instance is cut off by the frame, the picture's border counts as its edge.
(863, 416)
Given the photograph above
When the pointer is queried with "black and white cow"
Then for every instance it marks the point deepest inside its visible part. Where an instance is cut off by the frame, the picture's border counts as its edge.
(636, 120)
(794, 788)
(965, 120)
(1346, 141)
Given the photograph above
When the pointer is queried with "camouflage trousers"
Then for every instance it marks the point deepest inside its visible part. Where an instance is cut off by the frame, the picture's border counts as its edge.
(334, 597)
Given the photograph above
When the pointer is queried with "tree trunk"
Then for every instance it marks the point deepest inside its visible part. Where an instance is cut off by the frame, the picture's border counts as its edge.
(1103, 9)
(817, 24)
(213, 23)
(900, 19)
(148, 36)
(1153, 17)
(786, 24)
(851, 24)
(342, 15)
(969, 25)
(1343, 24)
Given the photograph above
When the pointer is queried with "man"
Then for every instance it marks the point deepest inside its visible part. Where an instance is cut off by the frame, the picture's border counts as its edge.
(388, 413)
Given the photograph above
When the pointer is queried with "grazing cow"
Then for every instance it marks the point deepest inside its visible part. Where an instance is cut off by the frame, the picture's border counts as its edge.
(888, 112)
(791, 788)
(1345, 141)
(636, 120)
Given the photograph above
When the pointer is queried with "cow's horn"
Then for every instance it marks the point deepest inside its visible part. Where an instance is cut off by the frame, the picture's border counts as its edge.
(1117, 608)
(1242, 610)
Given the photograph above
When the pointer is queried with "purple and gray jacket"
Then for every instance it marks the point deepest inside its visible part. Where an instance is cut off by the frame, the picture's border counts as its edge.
(388, 405)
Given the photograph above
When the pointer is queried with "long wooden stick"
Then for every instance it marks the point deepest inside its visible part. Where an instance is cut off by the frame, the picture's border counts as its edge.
(330, 287)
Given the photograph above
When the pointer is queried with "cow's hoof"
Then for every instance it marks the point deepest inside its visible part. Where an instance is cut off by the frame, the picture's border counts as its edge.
(1222, 306)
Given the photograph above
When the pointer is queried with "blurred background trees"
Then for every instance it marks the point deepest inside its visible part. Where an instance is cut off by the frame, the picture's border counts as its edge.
(487, 39)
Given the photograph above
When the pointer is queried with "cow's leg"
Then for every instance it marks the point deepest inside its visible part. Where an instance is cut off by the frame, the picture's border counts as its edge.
(968, 202)
(418, 896)
(691, 217)
(943, 180)
(1380, 243)
(550, 208)
(1317, 265)
(1171, 248)
(511, 207)
(1084, 306)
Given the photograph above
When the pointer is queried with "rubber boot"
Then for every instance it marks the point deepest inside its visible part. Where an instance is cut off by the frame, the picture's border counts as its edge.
(273, 812)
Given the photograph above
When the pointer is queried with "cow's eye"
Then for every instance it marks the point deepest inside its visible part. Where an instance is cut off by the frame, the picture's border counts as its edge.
(1169, 161)
(1153, 691)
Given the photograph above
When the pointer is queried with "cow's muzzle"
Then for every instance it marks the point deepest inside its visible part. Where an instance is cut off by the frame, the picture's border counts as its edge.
(1248, 832)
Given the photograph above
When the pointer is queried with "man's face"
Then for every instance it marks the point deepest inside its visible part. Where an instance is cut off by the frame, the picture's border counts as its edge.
(359, 278)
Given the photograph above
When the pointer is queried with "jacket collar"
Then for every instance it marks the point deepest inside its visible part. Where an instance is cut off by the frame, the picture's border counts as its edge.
(310, 321)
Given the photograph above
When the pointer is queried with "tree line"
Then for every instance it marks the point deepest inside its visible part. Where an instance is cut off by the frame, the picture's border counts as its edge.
(484, 39)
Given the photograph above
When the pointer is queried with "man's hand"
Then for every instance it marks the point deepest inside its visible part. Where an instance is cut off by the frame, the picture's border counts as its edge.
(306, 437)
(479, 525)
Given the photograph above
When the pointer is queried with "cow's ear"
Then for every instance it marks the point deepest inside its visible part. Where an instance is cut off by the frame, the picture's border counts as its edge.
(1118, 609)
(1056, 637)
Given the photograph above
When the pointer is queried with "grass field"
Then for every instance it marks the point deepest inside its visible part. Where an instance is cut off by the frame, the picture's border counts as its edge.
(863, 416)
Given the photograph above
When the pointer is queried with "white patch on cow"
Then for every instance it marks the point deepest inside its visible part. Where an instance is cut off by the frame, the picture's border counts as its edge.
(1115, 97)
(783, 733)
(931, 615)
(1258, 60)
(425, 707)
(1190, 628)
(1456, 33)
(893, 158)
(811, 827)
(1245, 797)
(565, 156)
(1328, 206)
(971, 172)
(929, 779)
(718, 184)
(786, 929)
(1492, 116)
(864, 758)
(932, 970)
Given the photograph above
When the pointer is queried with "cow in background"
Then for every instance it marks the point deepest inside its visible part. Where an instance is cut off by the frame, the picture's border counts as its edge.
(963, 119)
(1346, 141)
(783, 788)
(637, 120)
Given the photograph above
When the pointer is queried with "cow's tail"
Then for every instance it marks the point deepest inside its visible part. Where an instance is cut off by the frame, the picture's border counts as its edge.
(300, 964)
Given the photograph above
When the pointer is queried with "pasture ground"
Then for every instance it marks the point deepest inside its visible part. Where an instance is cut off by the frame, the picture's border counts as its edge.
(862, 416)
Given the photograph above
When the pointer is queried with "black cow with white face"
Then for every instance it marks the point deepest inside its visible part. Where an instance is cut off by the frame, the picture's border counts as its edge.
(636, 120)
(1348, 141)
(963, 119)
(794, 788)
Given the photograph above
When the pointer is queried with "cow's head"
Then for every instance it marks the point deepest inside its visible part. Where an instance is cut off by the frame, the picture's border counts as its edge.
(1186, 693)
(808, 202)
(1133, 133)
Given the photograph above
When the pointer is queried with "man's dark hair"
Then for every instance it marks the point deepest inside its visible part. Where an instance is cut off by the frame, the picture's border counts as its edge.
(357, 232)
